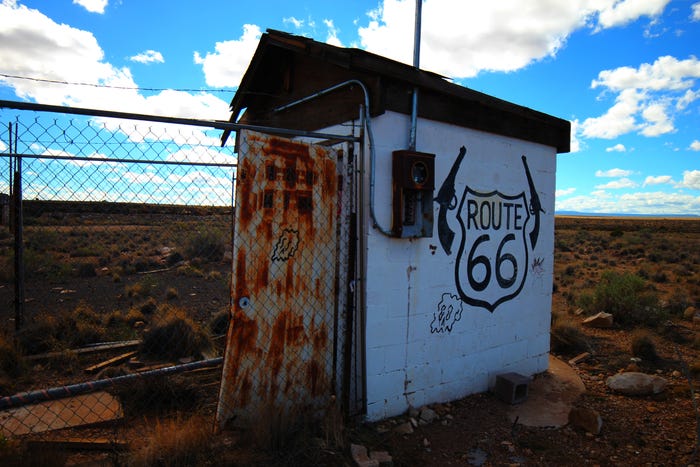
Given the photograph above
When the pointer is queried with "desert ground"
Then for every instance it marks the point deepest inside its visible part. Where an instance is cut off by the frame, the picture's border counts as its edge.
(126, 274)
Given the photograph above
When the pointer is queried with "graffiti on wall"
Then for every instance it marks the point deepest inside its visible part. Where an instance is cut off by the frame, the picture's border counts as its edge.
(496, 235)
(448, 312)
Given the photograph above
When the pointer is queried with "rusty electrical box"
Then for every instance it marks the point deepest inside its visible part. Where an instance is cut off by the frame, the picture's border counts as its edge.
(413, 185)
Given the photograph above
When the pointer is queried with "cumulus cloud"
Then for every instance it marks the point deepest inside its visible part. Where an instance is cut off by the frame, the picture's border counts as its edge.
(613, 173)
(617, 148)
(33, 45)
(626, 11)
(148, 56)
(647, 97)
(658, 180)
(695, 145)
(695, 16)
(564, 192)
(651, 203)
(226, 65)
(93, 6)
(691, 179)
(460, 39)
(332, 37)
(617, 184)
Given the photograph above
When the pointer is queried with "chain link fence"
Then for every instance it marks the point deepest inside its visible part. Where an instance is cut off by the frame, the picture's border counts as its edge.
(116, 256)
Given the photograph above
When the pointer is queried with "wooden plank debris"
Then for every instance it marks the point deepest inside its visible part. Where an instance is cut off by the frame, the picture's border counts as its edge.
(70, 412)
(112, 361)
(86, 350)
(80, 444)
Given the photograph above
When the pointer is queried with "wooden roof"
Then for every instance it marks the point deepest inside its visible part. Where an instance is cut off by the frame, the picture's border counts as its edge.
(286, 68)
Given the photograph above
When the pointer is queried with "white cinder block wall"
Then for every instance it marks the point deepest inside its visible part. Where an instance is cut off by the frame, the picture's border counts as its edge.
(411, 361)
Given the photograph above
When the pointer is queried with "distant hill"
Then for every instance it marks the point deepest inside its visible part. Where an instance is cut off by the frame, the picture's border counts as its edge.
(602, 214)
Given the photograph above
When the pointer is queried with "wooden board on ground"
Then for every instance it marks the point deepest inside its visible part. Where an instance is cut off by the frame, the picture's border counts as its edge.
(112, 361)
(70, 412)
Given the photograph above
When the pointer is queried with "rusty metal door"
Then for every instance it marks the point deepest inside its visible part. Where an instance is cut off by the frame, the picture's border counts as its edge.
(280, 344)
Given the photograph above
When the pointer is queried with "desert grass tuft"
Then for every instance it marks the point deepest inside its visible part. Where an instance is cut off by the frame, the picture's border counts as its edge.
(566, 335)
(642, 345)
(174, 443)
(174, 335)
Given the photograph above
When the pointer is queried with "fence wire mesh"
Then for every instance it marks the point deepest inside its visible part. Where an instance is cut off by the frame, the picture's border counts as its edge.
(124, 243)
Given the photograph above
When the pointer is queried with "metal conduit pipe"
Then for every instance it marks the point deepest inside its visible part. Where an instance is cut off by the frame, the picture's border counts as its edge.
(416, 65)
(370, 135)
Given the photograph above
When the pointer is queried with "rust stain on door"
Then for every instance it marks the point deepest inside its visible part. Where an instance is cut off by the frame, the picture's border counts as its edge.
(279, 350)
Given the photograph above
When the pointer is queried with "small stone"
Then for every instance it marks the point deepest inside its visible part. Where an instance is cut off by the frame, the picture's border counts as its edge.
(359, 455)
(689, 313)
(578, 358)
(676, 373)
(404, 429)
(586, 419)
(636, 384)
(426, 443)
(428, 415)
(382, 457)
(600, 320)
(414, 422)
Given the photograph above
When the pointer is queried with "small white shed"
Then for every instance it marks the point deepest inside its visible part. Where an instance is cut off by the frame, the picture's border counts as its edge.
(384, 277)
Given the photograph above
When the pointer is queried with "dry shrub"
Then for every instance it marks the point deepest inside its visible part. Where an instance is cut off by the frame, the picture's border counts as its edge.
(642, 346)
(274, 428)
(59, 331)
(627, 297)
(176, 442)
(218, 324)
(174, 335)
(11, 364)
(159, 395)
(14, 453)
(566, 335)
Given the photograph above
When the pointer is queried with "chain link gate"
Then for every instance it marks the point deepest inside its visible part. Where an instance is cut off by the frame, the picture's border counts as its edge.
(121, 227)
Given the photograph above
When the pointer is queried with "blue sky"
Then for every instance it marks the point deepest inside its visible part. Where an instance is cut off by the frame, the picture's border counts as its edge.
(625, 72)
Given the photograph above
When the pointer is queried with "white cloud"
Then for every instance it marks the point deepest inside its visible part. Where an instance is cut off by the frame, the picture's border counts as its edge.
(619, 147)
(691, 179)
(695, 145)
(460, 39)
(143, 178)
(33, 45)
(625, 11)
(332, 37)
(658, 180)
(657, 119)
(564, 192)
(650, 203)
(696, 11)
(93, 6)
(646, 97)
(613, 173)
(148, 56)
(225, 67)
(618, 120)
(297, 23)
(617, 184)
(575, 144)
(666, 73)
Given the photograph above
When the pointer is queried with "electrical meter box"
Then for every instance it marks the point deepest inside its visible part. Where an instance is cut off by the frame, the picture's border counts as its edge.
(413, 182)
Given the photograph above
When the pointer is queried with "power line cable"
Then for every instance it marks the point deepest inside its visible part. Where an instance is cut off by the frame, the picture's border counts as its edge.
(130, 88)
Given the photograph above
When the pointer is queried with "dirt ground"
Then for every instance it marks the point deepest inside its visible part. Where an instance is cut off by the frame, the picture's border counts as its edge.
(653, 430)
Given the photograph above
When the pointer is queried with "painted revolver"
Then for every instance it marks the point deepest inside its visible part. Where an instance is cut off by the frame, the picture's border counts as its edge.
(447, 200)
(535, 205)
